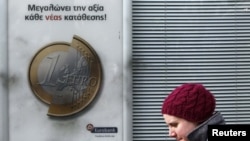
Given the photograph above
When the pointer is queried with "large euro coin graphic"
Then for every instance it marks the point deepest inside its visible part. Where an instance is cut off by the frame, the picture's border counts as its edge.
(67, 76)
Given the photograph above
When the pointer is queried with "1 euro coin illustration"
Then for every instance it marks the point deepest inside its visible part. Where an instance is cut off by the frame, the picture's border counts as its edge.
(66, 76)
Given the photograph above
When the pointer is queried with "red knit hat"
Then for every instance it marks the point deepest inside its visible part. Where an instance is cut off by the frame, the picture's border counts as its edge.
(190, 101)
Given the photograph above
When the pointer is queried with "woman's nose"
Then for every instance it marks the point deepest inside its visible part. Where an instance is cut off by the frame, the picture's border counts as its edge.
(172, 133)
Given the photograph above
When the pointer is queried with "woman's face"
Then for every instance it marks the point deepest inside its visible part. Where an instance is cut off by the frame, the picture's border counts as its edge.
(179, 128)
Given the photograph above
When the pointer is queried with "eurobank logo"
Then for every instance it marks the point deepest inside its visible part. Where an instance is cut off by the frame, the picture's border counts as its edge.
(93, 129)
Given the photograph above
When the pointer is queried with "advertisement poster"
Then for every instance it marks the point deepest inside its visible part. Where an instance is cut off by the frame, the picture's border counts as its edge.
(65, 70)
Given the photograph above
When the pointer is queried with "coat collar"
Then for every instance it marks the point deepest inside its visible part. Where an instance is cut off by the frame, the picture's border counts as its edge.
(200, 132)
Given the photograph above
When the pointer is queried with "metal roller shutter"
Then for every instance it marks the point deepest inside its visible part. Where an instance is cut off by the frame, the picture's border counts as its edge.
(178, 41)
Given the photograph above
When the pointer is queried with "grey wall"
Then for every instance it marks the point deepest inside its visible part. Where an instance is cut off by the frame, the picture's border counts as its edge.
(3, 73)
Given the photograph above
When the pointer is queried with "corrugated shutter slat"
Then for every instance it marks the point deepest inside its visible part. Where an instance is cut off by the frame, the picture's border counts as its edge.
(178, 41)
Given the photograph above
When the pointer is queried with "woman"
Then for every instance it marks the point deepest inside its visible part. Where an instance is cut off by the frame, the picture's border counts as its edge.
(188, 110)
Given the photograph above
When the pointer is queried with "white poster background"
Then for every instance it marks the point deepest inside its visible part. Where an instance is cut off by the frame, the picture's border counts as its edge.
(28, 32)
